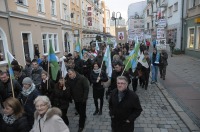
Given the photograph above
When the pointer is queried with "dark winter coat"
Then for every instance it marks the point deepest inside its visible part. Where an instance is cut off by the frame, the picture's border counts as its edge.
(78, 65)
(163, 58)
(79, 87)
(27, 103)
(36, 76)
(60, 98)
(87, 67)
(21, 78)
(27, 70)
(20, 125)
(128, 109)
(47, 91)
(6, 89)
(114, 76)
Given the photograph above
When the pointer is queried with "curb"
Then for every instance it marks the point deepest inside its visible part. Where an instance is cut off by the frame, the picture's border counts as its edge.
(184, 117)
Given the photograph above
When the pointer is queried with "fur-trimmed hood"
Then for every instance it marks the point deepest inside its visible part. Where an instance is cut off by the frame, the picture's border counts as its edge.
(50, 112)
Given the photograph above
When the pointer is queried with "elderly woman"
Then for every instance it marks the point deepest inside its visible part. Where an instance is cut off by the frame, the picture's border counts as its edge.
(12, 118)
(47, 119)
(27, 96)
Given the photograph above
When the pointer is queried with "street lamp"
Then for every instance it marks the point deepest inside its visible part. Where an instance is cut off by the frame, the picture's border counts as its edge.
(114, 17)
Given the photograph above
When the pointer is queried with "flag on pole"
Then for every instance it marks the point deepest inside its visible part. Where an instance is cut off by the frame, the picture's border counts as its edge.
(97, 46)
(63, 69)
(53, 62)
(10, 59)
(78, 48)
(107, 59)
(143, 61)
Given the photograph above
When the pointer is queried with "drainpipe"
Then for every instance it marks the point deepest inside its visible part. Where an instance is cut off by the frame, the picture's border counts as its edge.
(182, 26)
(10, 28)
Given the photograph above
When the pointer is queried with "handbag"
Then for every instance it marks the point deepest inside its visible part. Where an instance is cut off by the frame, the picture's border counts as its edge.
(106, 84)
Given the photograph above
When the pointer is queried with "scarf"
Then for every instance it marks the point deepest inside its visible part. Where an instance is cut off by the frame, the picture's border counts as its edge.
(121, 95)
(26, 92)
(9, 119)
(97, 71)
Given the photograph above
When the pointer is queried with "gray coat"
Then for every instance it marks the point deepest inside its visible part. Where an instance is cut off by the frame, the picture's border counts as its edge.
(51, 122)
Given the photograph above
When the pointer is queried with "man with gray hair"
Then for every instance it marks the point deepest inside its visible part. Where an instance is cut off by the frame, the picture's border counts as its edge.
(124, 106)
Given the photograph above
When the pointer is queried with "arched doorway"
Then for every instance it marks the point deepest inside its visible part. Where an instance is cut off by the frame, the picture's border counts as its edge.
(67, 44)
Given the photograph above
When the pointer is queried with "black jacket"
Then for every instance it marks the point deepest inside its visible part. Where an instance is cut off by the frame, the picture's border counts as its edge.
(128, 109)
(6, 89)
(20, 125)
(79, 87)
(103, 78)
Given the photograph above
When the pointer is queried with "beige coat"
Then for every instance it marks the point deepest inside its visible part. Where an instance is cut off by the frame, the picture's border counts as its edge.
(51, 122)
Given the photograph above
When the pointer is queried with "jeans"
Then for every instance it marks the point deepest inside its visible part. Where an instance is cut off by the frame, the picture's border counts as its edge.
(154, 73)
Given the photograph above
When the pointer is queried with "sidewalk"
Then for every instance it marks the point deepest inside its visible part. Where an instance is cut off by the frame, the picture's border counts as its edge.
(182, 83)
(158, 115)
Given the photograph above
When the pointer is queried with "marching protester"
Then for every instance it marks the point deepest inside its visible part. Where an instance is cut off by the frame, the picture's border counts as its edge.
(61, 97)
(19, 75)
(6, 87)
(47, 118)
(97, 78)
(12, 117)
(155, 57)
(28, 68)
(171, 45)
(27, 96)
(36, 73)
(118, 70)
(163, 63)
(78, 63)
(79, 87)
(46, 89)
(124, 106)
(87, 65)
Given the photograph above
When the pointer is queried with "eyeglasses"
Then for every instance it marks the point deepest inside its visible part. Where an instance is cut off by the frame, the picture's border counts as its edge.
(40, 106)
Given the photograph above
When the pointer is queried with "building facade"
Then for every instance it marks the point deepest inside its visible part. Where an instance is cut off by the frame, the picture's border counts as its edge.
(28, 27)
(191, 37)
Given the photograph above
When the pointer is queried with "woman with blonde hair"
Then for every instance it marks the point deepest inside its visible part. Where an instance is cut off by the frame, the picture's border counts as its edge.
(47, 119)
(12, 118)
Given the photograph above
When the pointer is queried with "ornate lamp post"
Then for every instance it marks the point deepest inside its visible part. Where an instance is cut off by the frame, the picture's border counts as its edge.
(115, 17)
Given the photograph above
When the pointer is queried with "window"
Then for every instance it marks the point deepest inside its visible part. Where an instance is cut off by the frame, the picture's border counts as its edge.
(3, 47)
(65, 12)
(176, 6)
(50, 38)
(147, 12)
(23, 2)
(193, 3)
(190, 38)
(40, 5)
(53, 7)
(44, 40)
(170, 11)
(198, 38)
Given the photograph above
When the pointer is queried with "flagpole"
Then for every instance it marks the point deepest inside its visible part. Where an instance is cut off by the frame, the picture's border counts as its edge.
(12, 87)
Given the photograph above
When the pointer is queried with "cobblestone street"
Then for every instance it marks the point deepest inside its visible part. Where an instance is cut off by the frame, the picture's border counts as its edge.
(157, 115)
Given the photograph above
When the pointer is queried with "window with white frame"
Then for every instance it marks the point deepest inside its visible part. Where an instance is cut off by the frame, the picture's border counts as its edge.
(198, 38)
(170, 11)
(176, 6)
(193, 3)
(22, 2)
(190, 37)
(53, 7)
(2, 50)
(65, 12)
(50, 38)
(40, 5)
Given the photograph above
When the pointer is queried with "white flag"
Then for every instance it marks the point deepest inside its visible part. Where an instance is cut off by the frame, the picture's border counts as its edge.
(143, 61)
(97, 46)
(63, 69)
(107, 59)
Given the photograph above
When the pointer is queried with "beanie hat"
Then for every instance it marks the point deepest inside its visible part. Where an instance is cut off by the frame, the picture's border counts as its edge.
(27, 80)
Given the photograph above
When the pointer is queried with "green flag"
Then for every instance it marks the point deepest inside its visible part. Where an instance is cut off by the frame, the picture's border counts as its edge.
(53, 62)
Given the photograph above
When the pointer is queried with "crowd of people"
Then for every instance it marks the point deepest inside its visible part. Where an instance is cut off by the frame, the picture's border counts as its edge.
(34, 102)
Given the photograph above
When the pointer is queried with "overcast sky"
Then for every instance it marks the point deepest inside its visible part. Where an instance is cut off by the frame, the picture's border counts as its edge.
(120, 6)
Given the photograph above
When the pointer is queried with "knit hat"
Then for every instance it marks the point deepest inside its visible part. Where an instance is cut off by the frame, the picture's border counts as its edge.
(27, 80)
